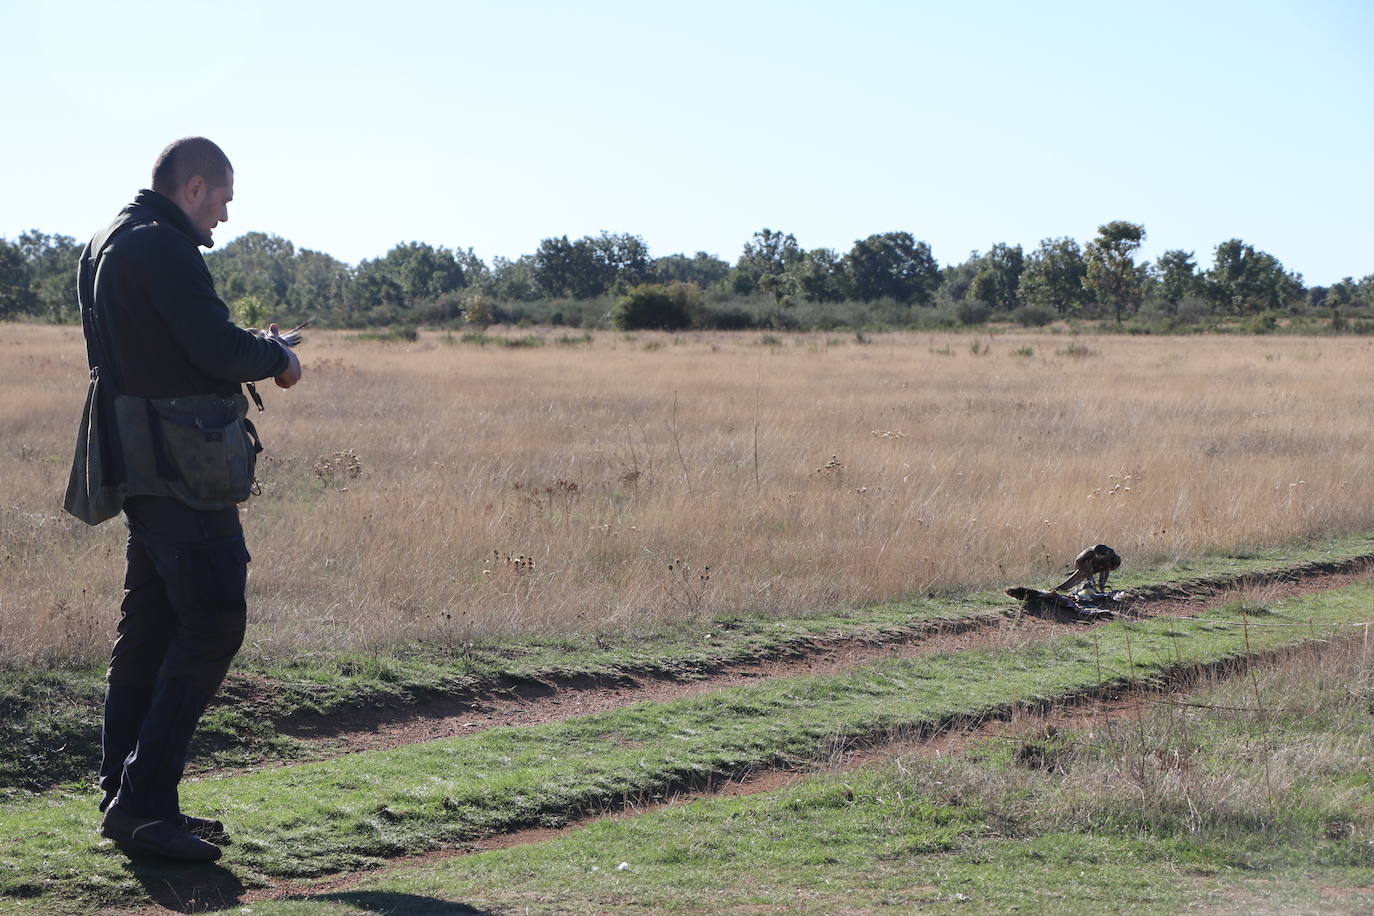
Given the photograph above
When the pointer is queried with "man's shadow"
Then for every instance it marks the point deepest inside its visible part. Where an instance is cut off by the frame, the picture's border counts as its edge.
(206, 888)
(393, 903)
(185, 888)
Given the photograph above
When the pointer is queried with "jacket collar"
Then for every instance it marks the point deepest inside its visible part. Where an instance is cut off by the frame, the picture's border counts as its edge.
(166, 210)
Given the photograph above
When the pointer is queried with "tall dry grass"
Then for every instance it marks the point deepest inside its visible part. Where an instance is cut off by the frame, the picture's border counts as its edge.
(591, 484)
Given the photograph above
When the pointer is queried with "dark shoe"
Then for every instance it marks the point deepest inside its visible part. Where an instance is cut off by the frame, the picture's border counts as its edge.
(205, 828)
(163, 838)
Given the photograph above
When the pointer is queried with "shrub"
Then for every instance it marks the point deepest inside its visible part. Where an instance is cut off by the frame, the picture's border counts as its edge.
(1033, 316)
(479, 310)
(446, 309)
(1077, 350)
(779, 319)
(401, 333)
(250, 312)
(1263, 323)
(727, 319)
(971, 311)
(657, 306)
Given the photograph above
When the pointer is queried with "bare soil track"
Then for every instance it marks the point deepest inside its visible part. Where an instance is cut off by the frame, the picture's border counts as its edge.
(534, 702)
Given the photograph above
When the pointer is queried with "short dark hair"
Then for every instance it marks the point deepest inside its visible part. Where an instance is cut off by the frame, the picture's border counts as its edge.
(186, 158)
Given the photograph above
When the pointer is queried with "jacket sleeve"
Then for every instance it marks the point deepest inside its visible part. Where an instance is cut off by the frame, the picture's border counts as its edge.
(182, 292)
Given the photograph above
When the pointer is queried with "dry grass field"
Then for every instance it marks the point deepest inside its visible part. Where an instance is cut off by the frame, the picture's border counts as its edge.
(446, 490)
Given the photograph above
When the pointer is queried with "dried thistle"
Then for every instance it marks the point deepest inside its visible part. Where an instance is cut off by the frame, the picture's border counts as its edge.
(332, 470)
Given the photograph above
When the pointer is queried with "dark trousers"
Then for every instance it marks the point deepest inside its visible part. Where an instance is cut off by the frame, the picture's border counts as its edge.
(182, 621)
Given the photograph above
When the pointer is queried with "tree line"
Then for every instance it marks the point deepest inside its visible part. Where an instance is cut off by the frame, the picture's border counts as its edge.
(889, 278)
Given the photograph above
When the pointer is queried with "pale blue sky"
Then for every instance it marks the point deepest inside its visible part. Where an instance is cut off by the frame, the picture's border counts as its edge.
(354, 126)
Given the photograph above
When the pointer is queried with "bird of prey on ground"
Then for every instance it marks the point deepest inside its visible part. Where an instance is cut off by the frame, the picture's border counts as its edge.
(1097, 561)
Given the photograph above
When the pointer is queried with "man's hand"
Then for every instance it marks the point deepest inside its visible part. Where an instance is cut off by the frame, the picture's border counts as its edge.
(292, 375)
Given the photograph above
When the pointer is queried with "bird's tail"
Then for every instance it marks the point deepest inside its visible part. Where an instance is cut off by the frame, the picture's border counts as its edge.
(1071, 580)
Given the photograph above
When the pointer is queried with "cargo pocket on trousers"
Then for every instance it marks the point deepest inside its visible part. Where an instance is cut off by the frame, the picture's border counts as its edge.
(219, 574)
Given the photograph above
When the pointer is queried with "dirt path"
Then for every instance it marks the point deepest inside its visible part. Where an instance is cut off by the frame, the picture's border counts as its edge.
(535, 704)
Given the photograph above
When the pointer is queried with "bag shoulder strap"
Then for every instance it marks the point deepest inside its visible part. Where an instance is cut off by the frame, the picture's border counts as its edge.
(99, 350)
(104, 371)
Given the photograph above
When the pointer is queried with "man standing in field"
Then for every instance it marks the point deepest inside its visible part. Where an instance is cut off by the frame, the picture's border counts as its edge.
(165, 438)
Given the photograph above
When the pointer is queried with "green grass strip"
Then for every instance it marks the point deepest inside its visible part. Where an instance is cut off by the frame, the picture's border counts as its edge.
(355, 811)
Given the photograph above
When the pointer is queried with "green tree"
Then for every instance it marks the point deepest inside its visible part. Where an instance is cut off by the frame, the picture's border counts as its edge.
(999, 279)
(957, 279)
(705, 270)
(1176, 275)
(422, 270)
(254, 264)
(564, 269)
(1112, 272)
(1341, 294)
(1053, 277)
(1364, 291)
(821, 276)
(514, 280)
(16, 299)
(623, 259)
(319, 286)
(476, 274)
(52, 262)
(767, 254)
(892, 265)
(374, 296)
(1243, 279)
(385, 290)
(590, 266)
